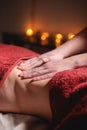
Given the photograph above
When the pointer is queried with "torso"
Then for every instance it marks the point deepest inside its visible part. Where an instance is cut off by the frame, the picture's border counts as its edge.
(24, 96)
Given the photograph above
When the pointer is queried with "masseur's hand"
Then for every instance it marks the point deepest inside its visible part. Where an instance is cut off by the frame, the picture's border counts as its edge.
(40, 60)
(48, 69)
(28, 66)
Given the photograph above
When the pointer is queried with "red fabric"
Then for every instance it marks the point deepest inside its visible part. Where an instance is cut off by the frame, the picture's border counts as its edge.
(68, 89)
(10, 55)
(68, 97)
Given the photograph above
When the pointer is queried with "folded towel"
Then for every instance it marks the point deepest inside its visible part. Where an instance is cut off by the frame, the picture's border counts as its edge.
(68, 97)
(10, 56)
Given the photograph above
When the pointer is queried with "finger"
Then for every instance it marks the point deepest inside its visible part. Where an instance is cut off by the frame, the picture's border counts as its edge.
(34, 73)
(34, 62)
(28, 61)
(29, 65)
(22, 68)
(44, 59)
(42, 77)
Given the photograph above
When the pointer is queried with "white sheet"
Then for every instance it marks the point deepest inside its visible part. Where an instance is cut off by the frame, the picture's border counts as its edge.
(21, 122)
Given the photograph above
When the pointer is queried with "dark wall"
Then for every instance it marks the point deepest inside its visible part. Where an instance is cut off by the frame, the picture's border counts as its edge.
(46, 15)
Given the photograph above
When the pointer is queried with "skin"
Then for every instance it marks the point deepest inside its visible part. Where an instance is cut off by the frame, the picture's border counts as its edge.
(24, 96)
(32, 97)
(29, 92)
(41, 67)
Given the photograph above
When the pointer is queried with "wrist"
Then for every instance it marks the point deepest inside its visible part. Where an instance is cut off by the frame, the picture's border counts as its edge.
(78, 60)
(72, 62)
(60, 51)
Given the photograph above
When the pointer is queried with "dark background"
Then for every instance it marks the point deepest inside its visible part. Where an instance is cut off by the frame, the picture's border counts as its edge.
(54, 16)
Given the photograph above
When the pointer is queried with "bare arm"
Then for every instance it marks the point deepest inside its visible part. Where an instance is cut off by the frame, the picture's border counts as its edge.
(79, 60)
(45, 63)
(74, 46)
(49, 69)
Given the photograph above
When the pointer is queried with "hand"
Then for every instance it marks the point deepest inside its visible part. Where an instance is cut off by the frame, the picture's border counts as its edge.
(32, 63)
(48, 70)
(39, 60)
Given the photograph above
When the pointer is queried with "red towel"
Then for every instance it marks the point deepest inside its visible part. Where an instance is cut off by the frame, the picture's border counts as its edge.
(68, 97)
(10, 56)
(68, 89)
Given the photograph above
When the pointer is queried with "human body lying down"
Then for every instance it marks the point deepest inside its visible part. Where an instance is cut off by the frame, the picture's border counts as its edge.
(17, 95)
(49, 98)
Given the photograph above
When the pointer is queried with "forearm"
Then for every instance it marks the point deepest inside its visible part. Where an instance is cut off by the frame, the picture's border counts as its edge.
(74, 46)
(79, 60)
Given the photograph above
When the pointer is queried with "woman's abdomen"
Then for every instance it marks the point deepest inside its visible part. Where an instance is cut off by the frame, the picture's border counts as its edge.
(24, 96)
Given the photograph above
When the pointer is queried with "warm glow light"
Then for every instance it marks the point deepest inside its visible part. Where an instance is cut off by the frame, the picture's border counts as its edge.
(58, 39)
(71, 35)
(44, 35)
(29, 32)
(59, 36)
(44, 40)
(57, 42)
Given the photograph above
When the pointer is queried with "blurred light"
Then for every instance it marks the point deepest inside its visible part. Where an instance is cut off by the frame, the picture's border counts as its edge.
(29, 32)
(44, 38)
(71, 35)
(44, 35)
(58, 39)
(57, 42)
(59, 36)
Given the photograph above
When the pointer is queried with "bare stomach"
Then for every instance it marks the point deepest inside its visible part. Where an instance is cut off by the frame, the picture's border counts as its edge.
(24, 96)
